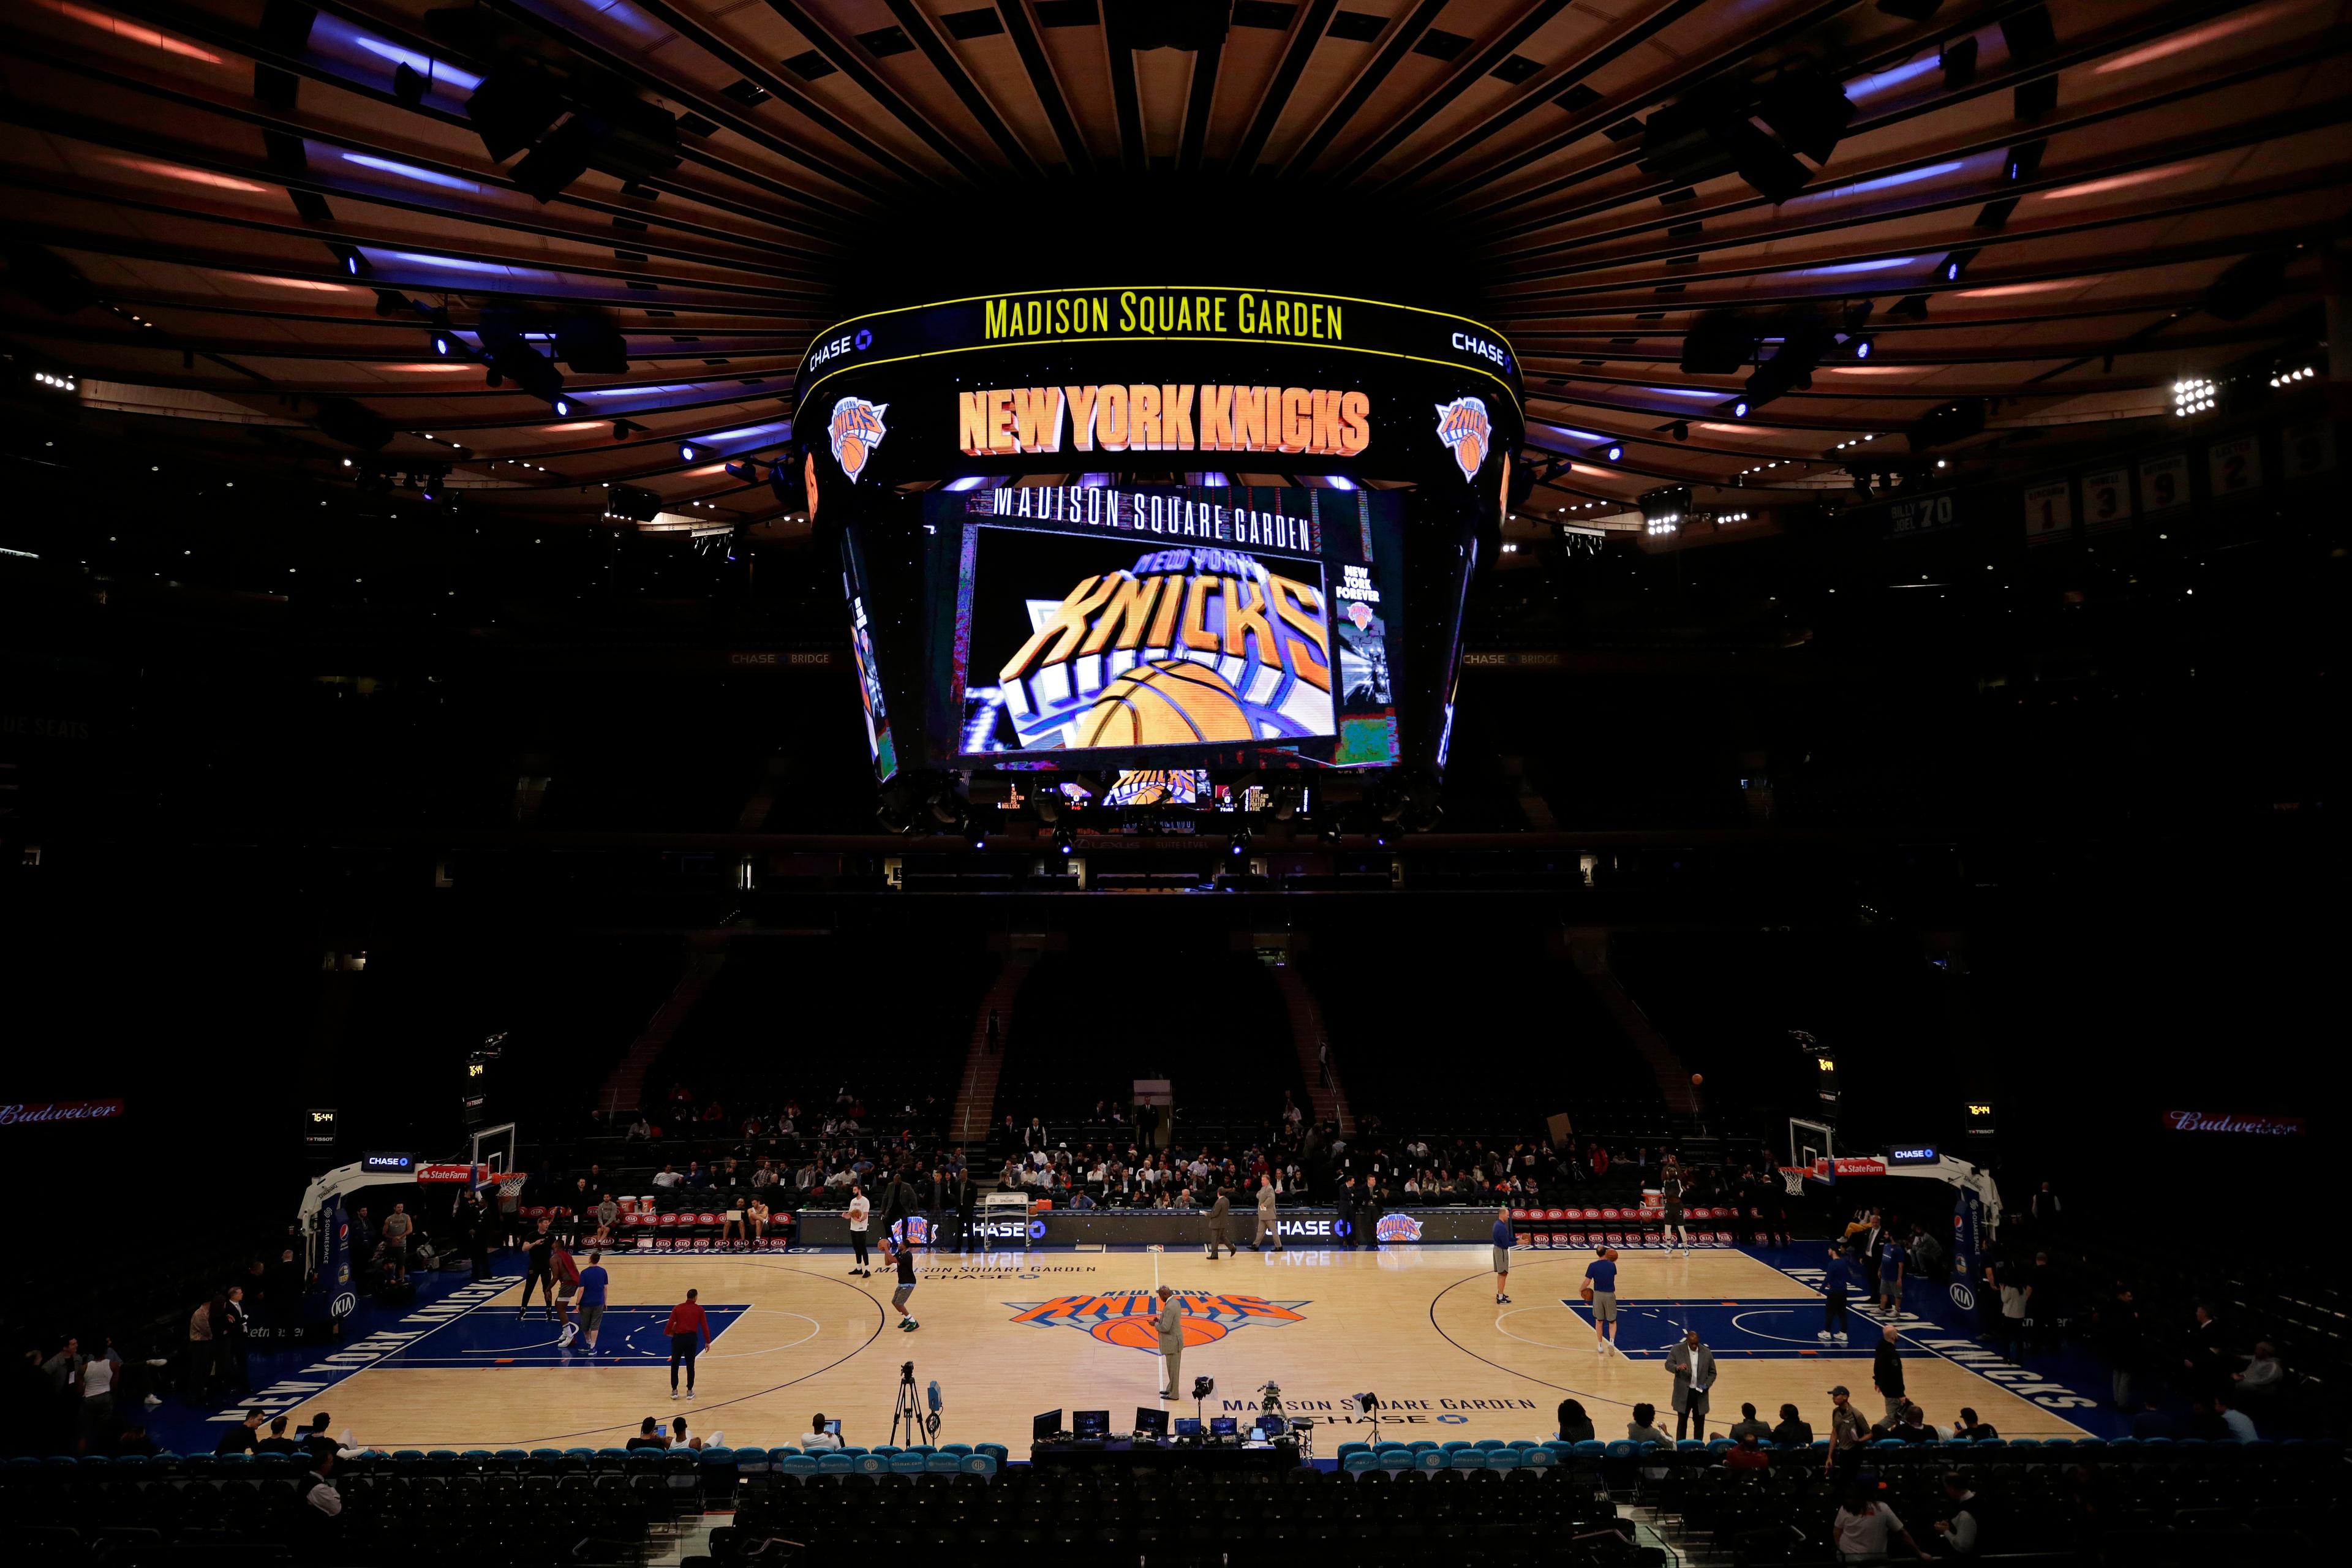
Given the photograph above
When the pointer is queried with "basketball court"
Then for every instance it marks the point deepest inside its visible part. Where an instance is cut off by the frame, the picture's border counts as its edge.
(1010, 1334)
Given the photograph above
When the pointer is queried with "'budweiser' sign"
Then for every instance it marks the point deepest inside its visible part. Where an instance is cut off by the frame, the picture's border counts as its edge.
(60, 1110)
(2217, 1122)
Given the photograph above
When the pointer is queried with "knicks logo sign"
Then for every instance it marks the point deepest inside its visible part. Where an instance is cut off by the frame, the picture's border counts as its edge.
(1397, 1227)
(1131, 1319)
(855, 429)
(1463, 426)
(912, 1231)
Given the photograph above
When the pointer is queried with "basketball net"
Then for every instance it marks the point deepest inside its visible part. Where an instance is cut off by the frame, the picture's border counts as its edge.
(1793, 1176)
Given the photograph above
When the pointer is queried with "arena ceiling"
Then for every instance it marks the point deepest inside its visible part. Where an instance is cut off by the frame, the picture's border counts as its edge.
(224, 217)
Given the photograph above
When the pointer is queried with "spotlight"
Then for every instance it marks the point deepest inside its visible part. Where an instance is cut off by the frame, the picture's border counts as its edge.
(2194, 395)
(1238, 845)
(1956, 263)
(443, 344)
(1863, 348)
(55, 382)
(1680, 429)
(1739, 408)
(1065, 840)
(562, 406)
(976, 836)
(354, 263)
(685, 451)
(1610, 452)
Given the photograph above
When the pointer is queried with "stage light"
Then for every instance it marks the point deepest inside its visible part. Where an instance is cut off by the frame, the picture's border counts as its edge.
(1863, 347)
(2194, 395)
(685, 451)
(1610, 452)
(562, 406)
(1064, 841)
(443, 344)
(1739, 408)
(354, 263)
(1956, 263)
(1238, 845)
(55, 382)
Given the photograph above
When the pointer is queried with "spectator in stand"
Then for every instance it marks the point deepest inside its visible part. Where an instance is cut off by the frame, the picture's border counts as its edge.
(2202, 1353)
(2046, 1207)
(2241, 1426)
(1887, 1372)
(1749, 1424)
(2264, 1379)
(199, 1350)
(95, 1425)
(639, 1129)
(1644, 1428)
(321, 1494)
(1792, 1432)
(1575, 1426)
(242, 1438)
(1960, 1530)
(1746, 1453)
(278, 1442)
(697, 1178)
(235, 1339)
(649, 1436)
(1864, 1529)
(2120, 1341)
(819, 1435)
(668, 1177)
(2013, 1301)
(1969, 1430)
(1848, 1430)
(1909, 1425)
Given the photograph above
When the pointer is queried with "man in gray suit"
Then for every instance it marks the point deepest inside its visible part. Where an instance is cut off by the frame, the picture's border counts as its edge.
(1692, 1365)
(1221, 1224)
(1270, 1225)
(1172, 1343)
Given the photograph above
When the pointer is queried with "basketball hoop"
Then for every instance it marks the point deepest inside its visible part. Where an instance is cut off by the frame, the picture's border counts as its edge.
(1793, 1176)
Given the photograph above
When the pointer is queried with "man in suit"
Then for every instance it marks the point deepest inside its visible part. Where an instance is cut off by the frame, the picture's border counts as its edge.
(1221, 1224)
(1172, 1343)
(1270, 1225)
(1692, 1365)
(1345, 1224)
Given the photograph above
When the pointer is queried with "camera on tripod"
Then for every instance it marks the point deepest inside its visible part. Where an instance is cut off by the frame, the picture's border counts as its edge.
(907, 1412)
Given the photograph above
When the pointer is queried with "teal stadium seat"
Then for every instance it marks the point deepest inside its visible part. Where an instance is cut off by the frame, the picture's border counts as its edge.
(996, 1452)
(1540, 1457)
(955, 1449)
(1396, 1461)
(801, 1467)
(1466, 1459)
(1503, 1459)
(907, 1464)
(1429, 1460)
(872, 1464)
(835, 1464)
(1362, 1462)
(982, 1465)
(943, 1463)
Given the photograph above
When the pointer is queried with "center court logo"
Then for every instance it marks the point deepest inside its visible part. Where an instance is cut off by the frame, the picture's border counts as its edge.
(855, 429)
(1463, 426)
(1130, 1319)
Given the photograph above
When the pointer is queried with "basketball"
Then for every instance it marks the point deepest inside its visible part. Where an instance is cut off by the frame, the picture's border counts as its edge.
(1169, 702)
(1697, 1078)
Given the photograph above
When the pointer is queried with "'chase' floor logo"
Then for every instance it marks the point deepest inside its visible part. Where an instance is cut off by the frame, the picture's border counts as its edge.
(1131, 1318)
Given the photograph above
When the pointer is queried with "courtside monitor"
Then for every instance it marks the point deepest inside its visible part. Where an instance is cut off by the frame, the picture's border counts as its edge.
(1188, 1426)
(1222, 1425)
(1090, 1423)
(1154, 1422)
(1045, 1428)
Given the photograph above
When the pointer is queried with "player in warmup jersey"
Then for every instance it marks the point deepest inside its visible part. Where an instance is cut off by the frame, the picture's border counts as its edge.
(687, 1331)
(594, 1282)
(567, 1284)
(540, 1271)
(861, 1210)
(1670, 1193)
(903, 1253)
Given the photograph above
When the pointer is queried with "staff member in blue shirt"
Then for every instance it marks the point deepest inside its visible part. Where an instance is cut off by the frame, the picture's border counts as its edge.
(592, 1282)
(1891, 1260)
(1833, 1288)
(1504, 1242)
(1600, 1290)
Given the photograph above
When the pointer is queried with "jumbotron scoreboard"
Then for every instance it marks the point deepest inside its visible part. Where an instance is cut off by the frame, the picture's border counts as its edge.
(1158, 530)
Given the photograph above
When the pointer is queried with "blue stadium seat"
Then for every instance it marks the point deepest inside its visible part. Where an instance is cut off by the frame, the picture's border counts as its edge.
(996, 1452)
(1423, 1446)
(1590, 1449)
(799, 1466)
(872, 1464)
(886, 1449)
(944, 1463)
(1396, 1461)
(1363, 1461)
(955, 1449)
(1541, 1458)
(1490, 1443)
(982, 1464)
(1502, 1458)
(835, 1464)
(1466, 1459)
(907, 1464)
(1350, 1451)
(1429, 1459)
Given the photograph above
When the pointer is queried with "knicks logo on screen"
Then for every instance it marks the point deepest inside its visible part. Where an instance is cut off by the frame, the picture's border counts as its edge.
(1397, 1227)
(855, 430)
(1188, 648)
(1130, 1319)
(1464, 428)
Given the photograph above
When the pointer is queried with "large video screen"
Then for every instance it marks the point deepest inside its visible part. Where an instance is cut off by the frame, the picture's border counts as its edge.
(878, 743)
(1224, 622)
